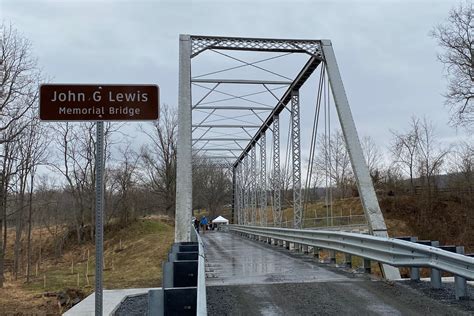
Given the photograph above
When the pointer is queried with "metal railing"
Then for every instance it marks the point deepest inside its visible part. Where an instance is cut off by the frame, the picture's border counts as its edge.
(337, 221)
(390, 251)
(201, 304)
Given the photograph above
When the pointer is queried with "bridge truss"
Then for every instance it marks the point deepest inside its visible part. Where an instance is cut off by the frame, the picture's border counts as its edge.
(227, 114)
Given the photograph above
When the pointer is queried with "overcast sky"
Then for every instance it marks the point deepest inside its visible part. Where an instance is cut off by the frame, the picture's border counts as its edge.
(385, 54)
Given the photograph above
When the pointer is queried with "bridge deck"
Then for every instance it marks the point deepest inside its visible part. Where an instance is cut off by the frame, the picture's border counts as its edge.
(245, 277)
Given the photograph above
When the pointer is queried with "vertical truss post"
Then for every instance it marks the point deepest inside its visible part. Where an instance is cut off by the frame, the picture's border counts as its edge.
(253, 185)
(276, 172)
(246, 192)
(234, 194)
(183, 162)
(296, 154)
(240, 194)
(263, 180)
(237, 194)
(364, 182)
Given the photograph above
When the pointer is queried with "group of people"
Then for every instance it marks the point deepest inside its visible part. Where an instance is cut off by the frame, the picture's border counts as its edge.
(201, 224)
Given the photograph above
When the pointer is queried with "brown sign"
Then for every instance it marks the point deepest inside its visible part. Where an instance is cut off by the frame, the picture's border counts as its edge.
(61, 102)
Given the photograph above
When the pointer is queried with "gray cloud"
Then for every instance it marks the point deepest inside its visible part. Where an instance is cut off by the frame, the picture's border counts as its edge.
(387, 60)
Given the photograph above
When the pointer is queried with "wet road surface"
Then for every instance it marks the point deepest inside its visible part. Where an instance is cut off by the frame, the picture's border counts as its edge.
(246, 277)
(235, 260)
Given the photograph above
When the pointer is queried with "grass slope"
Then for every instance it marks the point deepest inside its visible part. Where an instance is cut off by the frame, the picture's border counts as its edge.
(133, 258)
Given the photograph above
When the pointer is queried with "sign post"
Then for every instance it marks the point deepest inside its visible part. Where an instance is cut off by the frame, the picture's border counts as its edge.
(99, 103)
(99, 216)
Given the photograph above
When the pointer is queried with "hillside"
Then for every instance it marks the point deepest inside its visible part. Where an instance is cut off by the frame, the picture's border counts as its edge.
(133, 258)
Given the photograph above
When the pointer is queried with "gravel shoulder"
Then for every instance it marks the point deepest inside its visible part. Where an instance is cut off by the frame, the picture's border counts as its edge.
(331, 298)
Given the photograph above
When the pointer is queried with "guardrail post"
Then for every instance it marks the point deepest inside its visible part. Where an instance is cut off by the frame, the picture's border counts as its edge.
(414, 271)
(460, 282)
(435, 273)
(295, 246)
(367, 266)
(332, 256)
(287, 245)
(316, 253)
(348, 259)
(415, 274)
(305, 249)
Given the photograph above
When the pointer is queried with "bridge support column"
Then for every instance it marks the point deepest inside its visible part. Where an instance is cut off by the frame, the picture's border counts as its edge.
(361, 171)
(184, 186)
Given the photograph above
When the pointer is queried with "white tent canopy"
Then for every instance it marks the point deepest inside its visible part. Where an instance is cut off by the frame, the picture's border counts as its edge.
(220, 220)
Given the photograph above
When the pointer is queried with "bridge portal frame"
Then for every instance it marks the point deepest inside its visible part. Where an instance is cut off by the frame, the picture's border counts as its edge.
(320, 51)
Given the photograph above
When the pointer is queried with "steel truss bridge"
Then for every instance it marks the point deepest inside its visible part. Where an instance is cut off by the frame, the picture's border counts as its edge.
(235, 97)
(226, 115)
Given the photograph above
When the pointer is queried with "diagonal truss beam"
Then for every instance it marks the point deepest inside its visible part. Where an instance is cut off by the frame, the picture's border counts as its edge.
(301, 78)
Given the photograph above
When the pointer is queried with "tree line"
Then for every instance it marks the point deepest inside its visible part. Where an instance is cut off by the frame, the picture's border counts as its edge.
(47, 170)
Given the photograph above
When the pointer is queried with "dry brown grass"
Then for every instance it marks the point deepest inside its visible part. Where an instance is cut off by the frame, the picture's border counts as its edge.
(133, 258)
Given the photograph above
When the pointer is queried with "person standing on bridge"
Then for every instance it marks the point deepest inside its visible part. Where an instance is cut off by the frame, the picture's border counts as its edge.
(204, 223)
(196, 224)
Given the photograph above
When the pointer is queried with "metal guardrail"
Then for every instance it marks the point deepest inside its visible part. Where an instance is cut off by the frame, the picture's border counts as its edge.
(390, 251)
(201, 304)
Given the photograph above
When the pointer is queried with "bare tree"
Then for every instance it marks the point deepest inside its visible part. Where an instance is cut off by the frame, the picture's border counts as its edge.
(462, 169)
(123, 182)
(19, 77)
(456, 38)
(430, 154)
(404, 149)
(373, 158)
(39, 142)
(334, 162)
(158, 160)
(212, 184)
(76, 162)
(19, 81)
